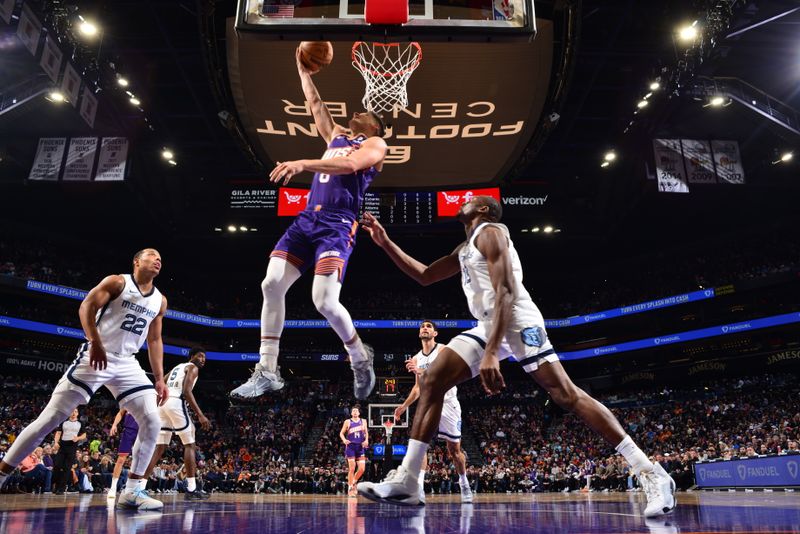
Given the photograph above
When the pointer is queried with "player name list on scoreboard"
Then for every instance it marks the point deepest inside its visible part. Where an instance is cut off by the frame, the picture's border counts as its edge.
(402, 208)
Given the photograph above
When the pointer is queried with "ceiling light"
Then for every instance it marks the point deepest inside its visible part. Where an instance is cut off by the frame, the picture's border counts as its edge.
(548, 229)
(655, 86)
(717, 101)
(87, 28)
(648, 95)
(524, 230)
(610, 156)
(135, 101)
(786, 157)
(605, 164)
(167, 154)
(231, 228)
(122, 82)
(557, 230)
(254, 229)
(243, 228)
(535, 229)
(56, 96)
(217, 229)
(641, 104)
(688, 33)
(172, 162)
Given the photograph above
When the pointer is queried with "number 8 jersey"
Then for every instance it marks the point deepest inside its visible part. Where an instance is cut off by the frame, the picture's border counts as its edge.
(123, 322)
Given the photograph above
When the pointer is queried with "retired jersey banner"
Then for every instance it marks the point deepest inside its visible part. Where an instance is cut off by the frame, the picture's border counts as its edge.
(670, 171)
(29, 30)
(6, 10)
(47, 163)
(448, 202)
(728, 162)
(71, 84)
(51, 58)
(113, 159)
(698, 161)
(88, 106)
(80, 159)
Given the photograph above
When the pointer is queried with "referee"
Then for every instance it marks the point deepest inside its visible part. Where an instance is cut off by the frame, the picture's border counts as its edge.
(66, 446)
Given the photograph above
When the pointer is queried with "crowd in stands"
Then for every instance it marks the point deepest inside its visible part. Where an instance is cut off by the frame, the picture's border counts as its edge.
(524, 443)
(606, 287)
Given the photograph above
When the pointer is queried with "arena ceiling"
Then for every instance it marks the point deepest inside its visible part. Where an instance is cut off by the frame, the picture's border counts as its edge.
(173, 54)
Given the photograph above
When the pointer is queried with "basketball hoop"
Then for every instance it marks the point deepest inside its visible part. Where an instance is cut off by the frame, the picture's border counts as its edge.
(386, 69)
(388, 425)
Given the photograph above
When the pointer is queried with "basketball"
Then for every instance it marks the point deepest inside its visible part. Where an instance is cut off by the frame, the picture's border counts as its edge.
(316, 54)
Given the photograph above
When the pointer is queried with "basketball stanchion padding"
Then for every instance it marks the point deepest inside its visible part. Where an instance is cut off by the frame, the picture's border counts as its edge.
(386, 12)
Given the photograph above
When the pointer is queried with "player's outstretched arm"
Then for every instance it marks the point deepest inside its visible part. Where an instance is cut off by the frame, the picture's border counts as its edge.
(322, 116)
(443, 268)
(493, 245)
(188, 381)
(155, 352)
(370, 154)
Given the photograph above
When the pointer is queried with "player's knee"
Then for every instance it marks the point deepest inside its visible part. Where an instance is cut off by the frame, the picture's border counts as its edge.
(431, 384)
(566, 396)
(326, 304)
(272, 286)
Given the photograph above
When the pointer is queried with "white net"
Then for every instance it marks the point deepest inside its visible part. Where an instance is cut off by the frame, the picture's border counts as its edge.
(386, 69)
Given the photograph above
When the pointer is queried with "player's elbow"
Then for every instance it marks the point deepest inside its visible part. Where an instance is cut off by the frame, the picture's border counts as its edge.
(351, 166)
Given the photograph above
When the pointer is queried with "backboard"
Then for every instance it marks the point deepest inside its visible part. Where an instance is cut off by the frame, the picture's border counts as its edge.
(377, 414)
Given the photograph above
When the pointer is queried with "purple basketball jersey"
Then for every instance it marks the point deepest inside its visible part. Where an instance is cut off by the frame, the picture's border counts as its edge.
(341, 191)
(356, 434)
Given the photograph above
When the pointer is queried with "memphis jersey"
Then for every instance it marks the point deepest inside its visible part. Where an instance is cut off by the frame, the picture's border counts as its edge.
(477, 283)
(425, 360)
(357, 431)
(123, 322)
(176, 378)
(341, 191)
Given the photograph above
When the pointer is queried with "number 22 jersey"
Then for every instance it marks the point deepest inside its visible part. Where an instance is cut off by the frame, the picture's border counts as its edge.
(123, 322)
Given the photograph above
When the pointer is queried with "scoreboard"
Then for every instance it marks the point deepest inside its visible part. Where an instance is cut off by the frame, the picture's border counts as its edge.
(413, 207)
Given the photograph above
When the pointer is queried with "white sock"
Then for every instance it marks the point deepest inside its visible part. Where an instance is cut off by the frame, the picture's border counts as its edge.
(356, 351)
(462, 480)
(132, 485)
(114, 482)
(142, 484)
(269, 354)
(422, 481)
(191, 483)
(634, 455)
(415, 455)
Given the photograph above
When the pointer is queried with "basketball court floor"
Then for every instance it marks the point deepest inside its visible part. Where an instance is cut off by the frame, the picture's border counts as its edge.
(243, 514)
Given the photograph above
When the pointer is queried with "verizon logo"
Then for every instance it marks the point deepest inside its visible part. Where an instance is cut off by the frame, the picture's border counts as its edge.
(525, 201)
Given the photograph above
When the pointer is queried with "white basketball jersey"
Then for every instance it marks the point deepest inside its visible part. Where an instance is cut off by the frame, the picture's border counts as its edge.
(425, 360)
(477, 283)
(176, 377)
(123, 322)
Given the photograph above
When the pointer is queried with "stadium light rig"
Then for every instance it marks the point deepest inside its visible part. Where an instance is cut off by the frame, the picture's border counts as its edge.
(122, 81)
(87, 28)
(689, 32)
(56, 97)
(785, 157)
(167, 154)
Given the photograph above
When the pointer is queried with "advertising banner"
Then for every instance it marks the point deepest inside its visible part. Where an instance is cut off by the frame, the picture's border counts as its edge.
(748, 473)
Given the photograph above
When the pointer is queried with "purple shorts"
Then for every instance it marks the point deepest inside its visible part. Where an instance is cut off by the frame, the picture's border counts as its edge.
(354, 450)
(126, 440)
(322, 238)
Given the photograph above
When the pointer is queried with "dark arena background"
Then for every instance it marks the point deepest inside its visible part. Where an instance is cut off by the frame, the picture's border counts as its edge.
(645, 155)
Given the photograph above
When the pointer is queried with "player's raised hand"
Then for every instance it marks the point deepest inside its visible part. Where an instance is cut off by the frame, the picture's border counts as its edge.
(376, 230)
(411, 367)
(97, 356)
(284, 171)
(162, 392)
(301, 69)
(491, 377)
(398, 413)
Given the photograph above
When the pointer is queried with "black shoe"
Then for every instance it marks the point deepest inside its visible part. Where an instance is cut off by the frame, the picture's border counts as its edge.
(193, 496)
(58, 492)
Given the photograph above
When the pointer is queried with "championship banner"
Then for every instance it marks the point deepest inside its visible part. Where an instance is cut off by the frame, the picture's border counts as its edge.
(6, 10)
(47, 163)
(51, 58)
(80, 159)
(88, 105)
(670, 172)
(113, 159)
(698, 161)
(71, 84)
(728, 162)
(29, 30)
